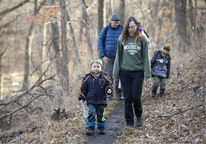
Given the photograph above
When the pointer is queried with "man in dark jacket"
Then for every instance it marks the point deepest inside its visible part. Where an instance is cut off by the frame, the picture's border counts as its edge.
(160, 64)
(107, 46)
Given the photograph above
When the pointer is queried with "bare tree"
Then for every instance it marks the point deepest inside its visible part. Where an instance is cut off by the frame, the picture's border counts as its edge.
(1, 64)
(28, 47)
(122, 11)
(89, 44)
(155, 20)
(182, 23)
(83, 21)
(56, 38)
(100, 15)
(65, 58)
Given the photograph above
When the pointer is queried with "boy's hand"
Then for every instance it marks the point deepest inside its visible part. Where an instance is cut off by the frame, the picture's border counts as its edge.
(109, 91)
(81, 101)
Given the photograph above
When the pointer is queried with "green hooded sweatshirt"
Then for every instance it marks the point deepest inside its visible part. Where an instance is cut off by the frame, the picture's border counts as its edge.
(128, 57)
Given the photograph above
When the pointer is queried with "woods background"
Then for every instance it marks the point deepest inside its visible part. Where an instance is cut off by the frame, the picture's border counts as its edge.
(46, 45)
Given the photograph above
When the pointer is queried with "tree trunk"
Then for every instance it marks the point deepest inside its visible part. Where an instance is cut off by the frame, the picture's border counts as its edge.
(182, 23)
(100, 15)
(56, 40)
(63, 44)
(83, 21)
(44, 49)
(191, 15)
(1, 83)
(28, 50)
(27, 55)
(73, 38)
(155, 20)
(122, 11)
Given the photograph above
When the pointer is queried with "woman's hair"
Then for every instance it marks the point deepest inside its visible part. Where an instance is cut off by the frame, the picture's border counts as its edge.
(125, 32)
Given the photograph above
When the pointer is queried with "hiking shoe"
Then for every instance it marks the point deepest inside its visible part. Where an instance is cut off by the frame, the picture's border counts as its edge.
(128, 127)
(109, 97)
(138, 121)
(101, 130)
(90, 131)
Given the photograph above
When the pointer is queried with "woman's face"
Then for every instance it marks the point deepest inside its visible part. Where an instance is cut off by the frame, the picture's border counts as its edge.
(132, 28)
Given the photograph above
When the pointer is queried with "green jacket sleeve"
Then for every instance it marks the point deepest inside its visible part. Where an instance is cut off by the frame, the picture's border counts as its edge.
(118, 57)
(146, 57)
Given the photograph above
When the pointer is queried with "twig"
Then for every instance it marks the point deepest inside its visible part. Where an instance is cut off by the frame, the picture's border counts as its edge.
(13, 8)
(181, 111)
(17, 97)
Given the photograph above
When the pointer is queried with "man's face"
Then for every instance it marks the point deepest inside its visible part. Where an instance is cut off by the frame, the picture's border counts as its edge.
(115, 24)
(96, 68)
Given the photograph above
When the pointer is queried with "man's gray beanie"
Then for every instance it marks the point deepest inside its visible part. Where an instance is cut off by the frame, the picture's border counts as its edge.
(115, 17)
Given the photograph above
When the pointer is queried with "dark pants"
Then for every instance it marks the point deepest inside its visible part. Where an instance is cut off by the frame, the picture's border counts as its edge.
(96, 109)
(132, 82)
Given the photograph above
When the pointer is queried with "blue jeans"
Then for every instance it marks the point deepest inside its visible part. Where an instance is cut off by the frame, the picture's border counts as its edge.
(132, 82)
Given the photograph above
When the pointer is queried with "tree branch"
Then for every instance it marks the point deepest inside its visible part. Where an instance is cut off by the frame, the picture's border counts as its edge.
(13, 8)
(181, 111)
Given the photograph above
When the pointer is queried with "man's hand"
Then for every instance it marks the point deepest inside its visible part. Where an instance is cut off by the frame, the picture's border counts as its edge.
(105, 60)
(109, 91)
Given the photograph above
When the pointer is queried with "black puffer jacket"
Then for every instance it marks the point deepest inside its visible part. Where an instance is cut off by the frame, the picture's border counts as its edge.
(93, 89)
(160, 66)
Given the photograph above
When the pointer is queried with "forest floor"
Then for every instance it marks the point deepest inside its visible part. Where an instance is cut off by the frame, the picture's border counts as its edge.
(179, 117)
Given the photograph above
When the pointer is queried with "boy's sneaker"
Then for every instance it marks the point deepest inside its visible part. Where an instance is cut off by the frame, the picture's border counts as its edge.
(128, 127)
(138, 121)
(101, 131)
(90, 131)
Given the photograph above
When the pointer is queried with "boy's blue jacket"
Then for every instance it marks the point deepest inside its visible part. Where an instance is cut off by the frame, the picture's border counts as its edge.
(160, 66)
(107, 45)
(93, 89)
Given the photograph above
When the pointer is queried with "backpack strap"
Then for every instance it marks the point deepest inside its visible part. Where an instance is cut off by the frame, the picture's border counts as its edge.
(106, 30)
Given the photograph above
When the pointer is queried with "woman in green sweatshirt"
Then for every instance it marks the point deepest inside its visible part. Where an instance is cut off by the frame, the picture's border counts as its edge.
(132, 66)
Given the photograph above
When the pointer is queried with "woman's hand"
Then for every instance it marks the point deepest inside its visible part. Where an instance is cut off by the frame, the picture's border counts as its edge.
(109, 91)
(146, 81)
(116, 79)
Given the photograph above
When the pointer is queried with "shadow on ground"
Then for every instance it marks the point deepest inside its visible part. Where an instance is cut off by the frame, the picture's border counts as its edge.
(114, 123)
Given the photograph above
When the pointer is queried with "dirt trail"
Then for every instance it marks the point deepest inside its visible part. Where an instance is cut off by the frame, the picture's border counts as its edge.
(114, 123)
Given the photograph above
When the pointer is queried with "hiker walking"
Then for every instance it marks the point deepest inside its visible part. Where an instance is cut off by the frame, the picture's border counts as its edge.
(93, 89)
(160, 64)
(107, 45)
(133, 56)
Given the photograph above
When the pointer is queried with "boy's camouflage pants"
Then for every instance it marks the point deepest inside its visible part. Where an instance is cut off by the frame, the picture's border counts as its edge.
(159, 81)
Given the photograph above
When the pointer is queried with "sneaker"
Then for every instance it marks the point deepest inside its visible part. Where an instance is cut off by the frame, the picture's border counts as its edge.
(138, 121)
(101, 131)
(122, 97)
(90, 131)
(109, 97)
(128, 127)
